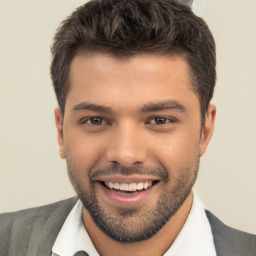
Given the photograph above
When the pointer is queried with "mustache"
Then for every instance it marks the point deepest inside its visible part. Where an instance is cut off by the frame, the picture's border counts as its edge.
(116, 168)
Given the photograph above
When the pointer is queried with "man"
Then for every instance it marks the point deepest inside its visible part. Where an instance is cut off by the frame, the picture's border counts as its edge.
(133, 80)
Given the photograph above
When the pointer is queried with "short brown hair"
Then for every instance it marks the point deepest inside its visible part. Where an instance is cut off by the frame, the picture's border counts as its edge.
(124, 28)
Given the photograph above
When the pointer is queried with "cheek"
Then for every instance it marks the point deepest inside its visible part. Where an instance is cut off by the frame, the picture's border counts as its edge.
(84, 152)
(176, 151)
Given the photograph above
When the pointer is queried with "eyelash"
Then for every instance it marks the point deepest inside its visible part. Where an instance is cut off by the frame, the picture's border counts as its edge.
(165, 120)
(85, 121)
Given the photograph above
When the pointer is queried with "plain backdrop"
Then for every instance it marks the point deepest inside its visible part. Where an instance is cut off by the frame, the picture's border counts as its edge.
(31, 172)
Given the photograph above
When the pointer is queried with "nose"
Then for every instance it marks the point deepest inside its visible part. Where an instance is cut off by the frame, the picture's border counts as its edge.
(127, 146)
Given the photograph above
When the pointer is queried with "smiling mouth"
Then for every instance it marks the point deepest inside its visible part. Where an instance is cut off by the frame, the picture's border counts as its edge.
(128, 188)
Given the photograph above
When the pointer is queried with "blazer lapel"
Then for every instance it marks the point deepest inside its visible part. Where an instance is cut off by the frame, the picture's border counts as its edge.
(47, 228)
(229, 241)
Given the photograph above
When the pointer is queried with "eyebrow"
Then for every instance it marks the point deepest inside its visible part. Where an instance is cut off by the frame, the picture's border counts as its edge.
(93, 107)
(150, 107)
(164, 105)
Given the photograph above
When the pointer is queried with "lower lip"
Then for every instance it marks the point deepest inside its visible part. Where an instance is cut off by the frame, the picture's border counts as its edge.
(111, 196)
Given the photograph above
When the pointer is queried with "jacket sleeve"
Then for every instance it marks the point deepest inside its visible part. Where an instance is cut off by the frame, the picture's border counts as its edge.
(6, 223)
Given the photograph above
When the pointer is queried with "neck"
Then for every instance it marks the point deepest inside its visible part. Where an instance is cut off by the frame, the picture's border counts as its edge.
(157, 245)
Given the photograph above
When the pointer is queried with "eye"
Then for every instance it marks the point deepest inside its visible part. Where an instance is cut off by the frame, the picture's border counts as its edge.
(94, 121)
(160, 120)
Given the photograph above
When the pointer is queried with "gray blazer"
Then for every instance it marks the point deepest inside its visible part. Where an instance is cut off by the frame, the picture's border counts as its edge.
(33, 232)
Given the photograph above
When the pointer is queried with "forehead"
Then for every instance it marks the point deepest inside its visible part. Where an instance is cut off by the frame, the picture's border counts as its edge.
(141, 63)
(101, 78)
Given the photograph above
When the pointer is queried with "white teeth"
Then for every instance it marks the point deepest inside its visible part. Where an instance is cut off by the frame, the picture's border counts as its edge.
(145, 185)
(130, 186)
(111, 185)
(140, 186)
(124, 186)
(116, 185)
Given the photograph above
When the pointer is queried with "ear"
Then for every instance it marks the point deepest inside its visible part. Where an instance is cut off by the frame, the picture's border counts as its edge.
(59, 126)
(207, 129)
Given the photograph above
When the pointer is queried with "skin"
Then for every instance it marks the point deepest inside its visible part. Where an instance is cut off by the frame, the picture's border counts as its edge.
(130, 136)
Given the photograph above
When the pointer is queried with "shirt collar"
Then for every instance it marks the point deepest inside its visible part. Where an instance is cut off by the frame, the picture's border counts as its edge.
(195, 238)
(73, 236)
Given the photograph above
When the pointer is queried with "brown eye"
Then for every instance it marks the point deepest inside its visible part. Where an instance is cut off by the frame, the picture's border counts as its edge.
(160, 120)
(93, 121)
(96, 121)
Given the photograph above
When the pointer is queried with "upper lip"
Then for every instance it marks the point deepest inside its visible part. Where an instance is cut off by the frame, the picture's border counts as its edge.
(126, 179)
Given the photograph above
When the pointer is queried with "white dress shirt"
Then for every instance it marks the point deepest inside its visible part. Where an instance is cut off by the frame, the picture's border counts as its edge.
(195, 238)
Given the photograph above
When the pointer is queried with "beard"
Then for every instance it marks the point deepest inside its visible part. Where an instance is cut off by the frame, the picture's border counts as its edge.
(129, 225)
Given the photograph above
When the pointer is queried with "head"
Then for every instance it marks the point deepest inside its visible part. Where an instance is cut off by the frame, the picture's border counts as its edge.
(126, 28)
(133, 80)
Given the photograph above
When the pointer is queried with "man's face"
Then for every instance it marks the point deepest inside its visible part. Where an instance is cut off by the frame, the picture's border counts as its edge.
(132, 137)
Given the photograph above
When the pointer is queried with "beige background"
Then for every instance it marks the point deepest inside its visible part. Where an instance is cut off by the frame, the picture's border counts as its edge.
(31, 172)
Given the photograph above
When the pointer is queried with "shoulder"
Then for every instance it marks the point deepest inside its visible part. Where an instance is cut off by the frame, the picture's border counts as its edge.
(230, 241)
(19, 225)
(35, 212)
